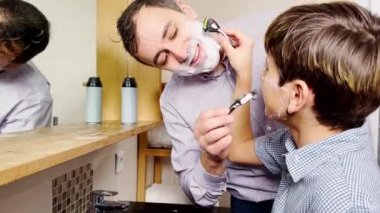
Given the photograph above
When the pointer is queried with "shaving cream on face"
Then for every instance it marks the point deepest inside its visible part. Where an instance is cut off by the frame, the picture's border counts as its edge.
(282, 99)
(203, 51)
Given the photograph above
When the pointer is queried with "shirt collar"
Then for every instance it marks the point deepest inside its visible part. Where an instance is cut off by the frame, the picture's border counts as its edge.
(212, 76)
(300, 162)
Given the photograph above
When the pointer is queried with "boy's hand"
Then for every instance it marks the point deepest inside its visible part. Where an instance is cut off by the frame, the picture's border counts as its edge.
(240, 57)
(213, 133)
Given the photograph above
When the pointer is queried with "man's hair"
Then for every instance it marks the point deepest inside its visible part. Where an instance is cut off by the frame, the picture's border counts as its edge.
(335, 49)
(22, 27)
(126, 24)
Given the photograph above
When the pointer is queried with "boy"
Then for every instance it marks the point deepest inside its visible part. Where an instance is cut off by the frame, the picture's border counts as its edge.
(322, 80)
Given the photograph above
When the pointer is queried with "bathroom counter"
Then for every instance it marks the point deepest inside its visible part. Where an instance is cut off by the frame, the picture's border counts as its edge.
(26, 153)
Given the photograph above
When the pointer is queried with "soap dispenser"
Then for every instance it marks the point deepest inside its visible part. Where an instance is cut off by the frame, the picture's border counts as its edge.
(94, 100)
(129, 100)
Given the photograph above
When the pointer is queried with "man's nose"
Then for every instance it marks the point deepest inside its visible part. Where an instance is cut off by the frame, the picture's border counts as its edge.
(179, 52)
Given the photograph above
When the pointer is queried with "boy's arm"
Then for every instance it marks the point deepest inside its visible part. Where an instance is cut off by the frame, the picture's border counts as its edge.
(242, 147)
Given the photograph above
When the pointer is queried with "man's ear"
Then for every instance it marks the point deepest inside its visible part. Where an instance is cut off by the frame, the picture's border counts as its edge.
(185, 8)
(299, 97)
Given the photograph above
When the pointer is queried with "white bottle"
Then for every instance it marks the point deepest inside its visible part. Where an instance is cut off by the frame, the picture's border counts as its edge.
(94, 100)
(129, 100)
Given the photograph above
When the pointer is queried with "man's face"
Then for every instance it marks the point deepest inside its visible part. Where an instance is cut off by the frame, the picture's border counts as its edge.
(174, 41)
(6, 60)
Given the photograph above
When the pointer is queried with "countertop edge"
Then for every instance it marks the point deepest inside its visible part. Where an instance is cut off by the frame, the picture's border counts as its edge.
(14, 173)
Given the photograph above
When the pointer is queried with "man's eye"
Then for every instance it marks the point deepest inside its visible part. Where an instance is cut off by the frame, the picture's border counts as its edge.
(174, 34)
(162, 59)
(171, 32)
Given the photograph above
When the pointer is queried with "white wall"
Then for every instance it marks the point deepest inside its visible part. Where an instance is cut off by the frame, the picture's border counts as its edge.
(373, 119)
(70, 57)
(375, 127)
(225, 10)
(373, 122)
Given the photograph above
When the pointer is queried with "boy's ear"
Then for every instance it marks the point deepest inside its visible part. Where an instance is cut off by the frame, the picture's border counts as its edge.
(185, 8)
(299, 97)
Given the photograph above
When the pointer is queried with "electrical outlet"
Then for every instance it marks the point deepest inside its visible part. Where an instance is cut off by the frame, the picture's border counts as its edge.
(119, 161)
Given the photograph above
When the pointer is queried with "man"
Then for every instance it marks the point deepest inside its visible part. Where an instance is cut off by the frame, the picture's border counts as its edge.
(165, 34)
(25, 99)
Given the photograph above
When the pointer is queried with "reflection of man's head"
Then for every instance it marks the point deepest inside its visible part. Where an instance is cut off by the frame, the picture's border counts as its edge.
(24, 32)
(165, 34)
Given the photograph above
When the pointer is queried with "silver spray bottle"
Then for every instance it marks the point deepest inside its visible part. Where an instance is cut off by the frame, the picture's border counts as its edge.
(129, 100)
(94, 100)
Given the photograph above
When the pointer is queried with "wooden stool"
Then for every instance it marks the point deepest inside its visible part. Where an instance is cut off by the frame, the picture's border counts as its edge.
(143, 153)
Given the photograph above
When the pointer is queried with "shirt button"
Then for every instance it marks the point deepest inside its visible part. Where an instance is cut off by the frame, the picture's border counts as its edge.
(268, 128)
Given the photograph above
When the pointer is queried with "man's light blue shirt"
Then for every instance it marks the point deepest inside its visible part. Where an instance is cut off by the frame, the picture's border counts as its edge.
(25, 99)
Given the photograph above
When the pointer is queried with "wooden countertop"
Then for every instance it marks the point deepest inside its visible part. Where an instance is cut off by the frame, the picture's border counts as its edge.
(25, 153)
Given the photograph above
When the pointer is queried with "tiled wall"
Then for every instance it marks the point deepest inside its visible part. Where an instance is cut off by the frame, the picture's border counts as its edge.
(71, 191)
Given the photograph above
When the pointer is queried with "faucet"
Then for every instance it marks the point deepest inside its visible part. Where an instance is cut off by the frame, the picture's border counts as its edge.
(100, 205)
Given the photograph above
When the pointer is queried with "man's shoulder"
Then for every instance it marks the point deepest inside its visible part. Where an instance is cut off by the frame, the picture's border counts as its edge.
(31, 68)
(27, 71)
(35, 76)
(27, 82)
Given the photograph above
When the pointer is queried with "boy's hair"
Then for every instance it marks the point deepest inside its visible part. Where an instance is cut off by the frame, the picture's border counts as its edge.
(24, 30)
(126, 24)
(335, 49)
